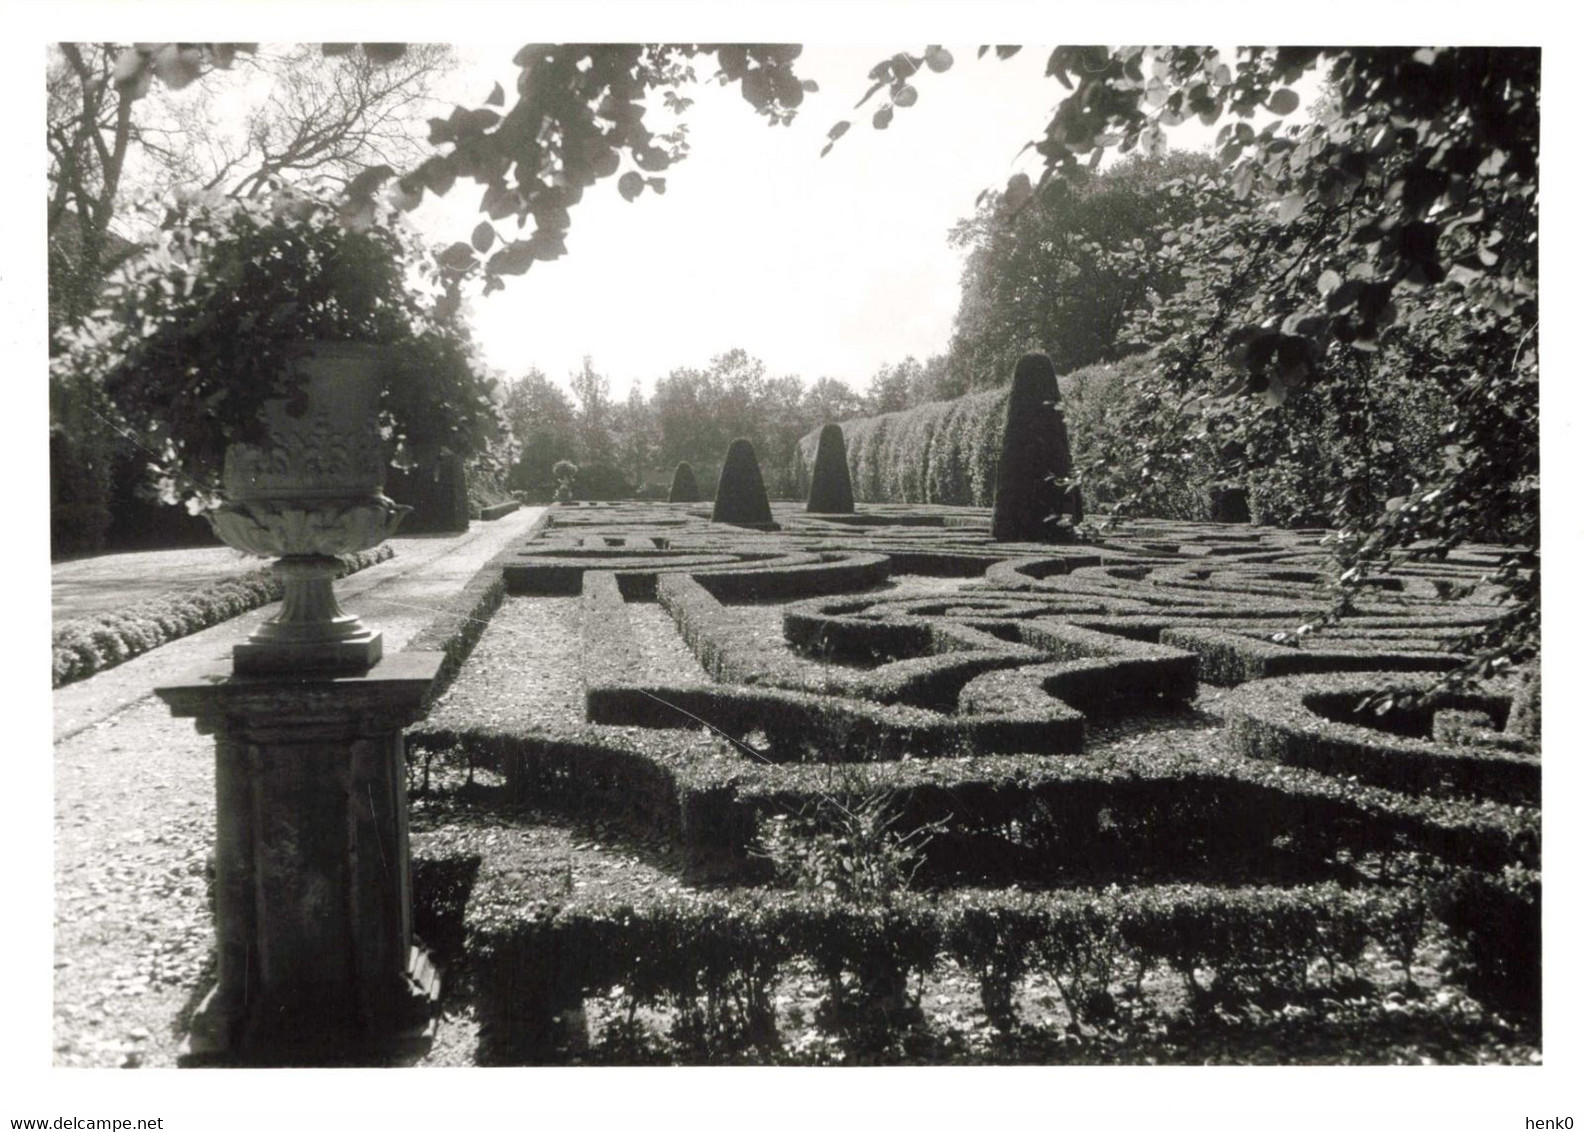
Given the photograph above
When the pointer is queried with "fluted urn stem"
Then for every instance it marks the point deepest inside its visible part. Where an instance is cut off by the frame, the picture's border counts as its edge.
(311, 631)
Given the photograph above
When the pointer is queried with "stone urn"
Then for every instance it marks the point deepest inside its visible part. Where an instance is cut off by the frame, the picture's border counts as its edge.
(313, 490)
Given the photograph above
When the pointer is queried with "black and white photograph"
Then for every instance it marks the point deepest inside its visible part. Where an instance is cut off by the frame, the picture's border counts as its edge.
(765, 542)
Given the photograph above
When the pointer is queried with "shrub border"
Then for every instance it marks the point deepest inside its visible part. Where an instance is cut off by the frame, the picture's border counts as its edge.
(90, 645)
(538, 952)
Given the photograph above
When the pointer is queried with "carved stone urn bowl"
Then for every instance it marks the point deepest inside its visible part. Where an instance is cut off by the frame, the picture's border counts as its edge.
(314, 490)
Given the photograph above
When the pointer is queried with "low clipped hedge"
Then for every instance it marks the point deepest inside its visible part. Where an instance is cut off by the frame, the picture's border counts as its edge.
(93, 644)
(1227, 658)
(796, 724)
(752, 573)
(714, 959)
(1302, 721)
(1003, 818)
(490, 512)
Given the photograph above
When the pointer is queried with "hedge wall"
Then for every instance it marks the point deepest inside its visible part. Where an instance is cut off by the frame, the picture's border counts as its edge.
(947, 451)
(942, 452)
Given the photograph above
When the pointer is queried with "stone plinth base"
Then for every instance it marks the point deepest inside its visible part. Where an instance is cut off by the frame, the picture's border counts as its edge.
(268, 658)
(313, 891)
(225, 1034)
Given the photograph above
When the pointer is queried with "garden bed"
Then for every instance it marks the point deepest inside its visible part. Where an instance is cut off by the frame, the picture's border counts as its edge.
(891, 792)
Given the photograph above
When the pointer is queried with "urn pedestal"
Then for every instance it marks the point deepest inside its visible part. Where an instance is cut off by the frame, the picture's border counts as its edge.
(317, 963)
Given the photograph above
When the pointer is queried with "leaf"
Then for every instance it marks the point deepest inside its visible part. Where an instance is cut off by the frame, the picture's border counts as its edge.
(501, 202)
(604, 163)
(370, 179)
(177, 66)
(903, 65)
(382, 53)
(652, 159)
(406, 194)
(1007, 50)
(657, 184)
(1243, 181)
(630, 185)
(1283, 101)
(438, 175)
(458, 256)
(1018, 190)
(1329, 281)
(484, 236)
(547, 245)
(838, 130)
(882, 117)
(1291, 207)
(514, 259)
(906, 96)
(870, 93)
(937, 58)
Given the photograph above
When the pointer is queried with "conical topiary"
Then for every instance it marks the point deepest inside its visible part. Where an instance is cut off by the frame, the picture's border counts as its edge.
(830, 486)
(1031, 489)
(684, 486)
(740, 497)
(1230, 505)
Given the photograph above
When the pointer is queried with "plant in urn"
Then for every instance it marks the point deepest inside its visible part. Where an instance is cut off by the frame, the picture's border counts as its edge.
(276, 354)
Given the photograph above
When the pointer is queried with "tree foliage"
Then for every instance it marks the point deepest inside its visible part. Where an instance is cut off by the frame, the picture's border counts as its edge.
(112, 133)
(543, 420)
(1062, 273)
(1397, 255)
(197, 331)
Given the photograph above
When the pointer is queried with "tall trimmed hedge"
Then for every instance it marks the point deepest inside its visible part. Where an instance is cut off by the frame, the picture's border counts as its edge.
(1036, 460)
(942, 452)
(948, 451)
(684, 485)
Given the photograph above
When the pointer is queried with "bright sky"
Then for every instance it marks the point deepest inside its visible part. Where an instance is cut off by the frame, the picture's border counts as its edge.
(820, 266)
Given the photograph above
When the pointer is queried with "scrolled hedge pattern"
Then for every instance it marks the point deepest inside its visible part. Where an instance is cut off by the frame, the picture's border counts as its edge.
(900, 653)
(1317, 722)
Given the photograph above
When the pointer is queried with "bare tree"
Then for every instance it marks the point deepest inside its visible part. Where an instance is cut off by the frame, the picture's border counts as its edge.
(89, 133)
(330, 116)
(283, 113)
